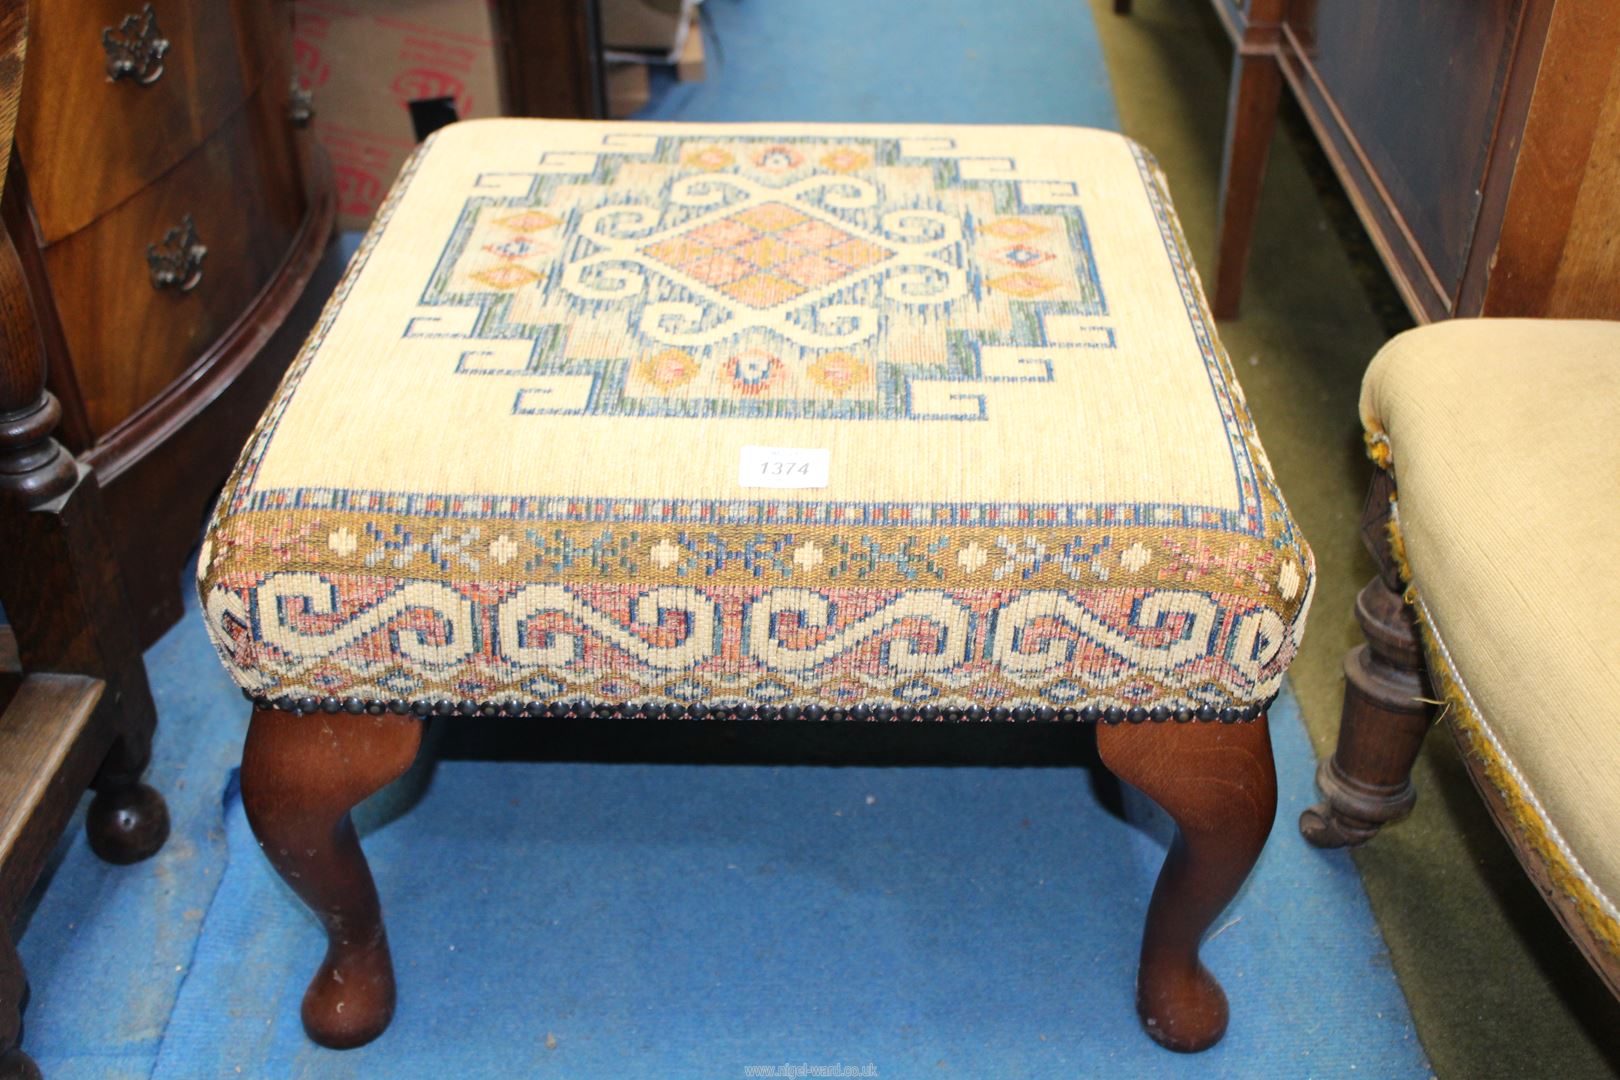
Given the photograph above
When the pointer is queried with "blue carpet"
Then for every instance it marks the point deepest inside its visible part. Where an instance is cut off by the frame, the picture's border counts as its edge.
(597, 920)
(924, 61)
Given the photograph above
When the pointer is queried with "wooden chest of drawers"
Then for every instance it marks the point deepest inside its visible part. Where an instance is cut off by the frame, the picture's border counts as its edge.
(169, 212)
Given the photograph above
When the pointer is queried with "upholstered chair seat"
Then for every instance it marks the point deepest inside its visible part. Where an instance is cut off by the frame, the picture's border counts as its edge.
(1500, 508)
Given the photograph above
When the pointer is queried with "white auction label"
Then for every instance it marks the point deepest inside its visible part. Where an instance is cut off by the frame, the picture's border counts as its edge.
(782, 467)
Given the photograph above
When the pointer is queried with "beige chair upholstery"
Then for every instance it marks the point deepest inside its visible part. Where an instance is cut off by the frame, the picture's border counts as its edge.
(1504, 439)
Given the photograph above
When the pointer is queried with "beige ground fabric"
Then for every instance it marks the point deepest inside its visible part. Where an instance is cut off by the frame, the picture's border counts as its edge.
(1503, 437)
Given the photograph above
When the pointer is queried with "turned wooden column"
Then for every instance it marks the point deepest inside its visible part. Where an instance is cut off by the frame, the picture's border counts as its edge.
(60, 584)
(65, 602)
(34, 468)
(1367, 782)
(32, 465)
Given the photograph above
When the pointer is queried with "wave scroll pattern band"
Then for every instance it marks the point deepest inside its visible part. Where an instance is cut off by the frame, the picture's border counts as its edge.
(323, 635)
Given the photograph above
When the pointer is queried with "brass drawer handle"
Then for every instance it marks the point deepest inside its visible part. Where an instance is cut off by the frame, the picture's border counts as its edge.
(135, 50)
(176, 263)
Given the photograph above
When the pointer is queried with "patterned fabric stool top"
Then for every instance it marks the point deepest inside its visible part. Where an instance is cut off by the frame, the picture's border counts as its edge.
(914, 421)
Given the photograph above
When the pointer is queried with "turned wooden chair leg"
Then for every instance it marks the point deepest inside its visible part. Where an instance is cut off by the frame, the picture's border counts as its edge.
(1251, 117)
(1219, 784)
(1367, 782)
(301, 775)
(14, 1064)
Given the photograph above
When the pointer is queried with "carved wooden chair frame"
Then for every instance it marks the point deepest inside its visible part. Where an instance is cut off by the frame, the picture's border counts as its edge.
(1366, 782)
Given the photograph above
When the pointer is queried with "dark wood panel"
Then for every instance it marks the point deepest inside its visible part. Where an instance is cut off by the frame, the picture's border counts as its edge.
(1558, 252)
(1523, 72)
(93, 142)
(1416, 91)
(1412, 277)
(550, 58)
(128, 340)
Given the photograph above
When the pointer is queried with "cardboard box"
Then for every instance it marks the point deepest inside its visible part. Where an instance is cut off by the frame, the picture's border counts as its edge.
(366, 60)
(628, 88)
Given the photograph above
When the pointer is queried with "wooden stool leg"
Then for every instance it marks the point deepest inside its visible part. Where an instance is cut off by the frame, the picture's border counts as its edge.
(1367, 782)
(1251, 117)
(14, 1064)
(301, 775)
(1219, 784)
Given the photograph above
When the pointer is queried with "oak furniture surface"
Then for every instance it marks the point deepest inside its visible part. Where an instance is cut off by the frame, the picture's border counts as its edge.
(1475, 138)
(789, 422)
(169, 213)
(75, 708)
(1492, 521)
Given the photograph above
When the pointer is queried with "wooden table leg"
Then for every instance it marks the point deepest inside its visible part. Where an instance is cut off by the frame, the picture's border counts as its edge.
(1251, 118)
(301, 775)
(1219, 784)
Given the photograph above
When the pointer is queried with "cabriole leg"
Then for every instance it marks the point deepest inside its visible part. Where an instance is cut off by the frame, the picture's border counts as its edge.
(1219, 784)
(301, 775)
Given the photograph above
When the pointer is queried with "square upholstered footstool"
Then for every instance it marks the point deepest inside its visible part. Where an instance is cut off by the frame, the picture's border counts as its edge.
(799, 423)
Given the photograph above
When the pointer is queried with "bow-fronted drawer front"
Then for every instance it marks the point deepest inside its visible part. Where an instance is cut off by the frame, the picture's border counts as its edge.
(146, 289)
(117, 92)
